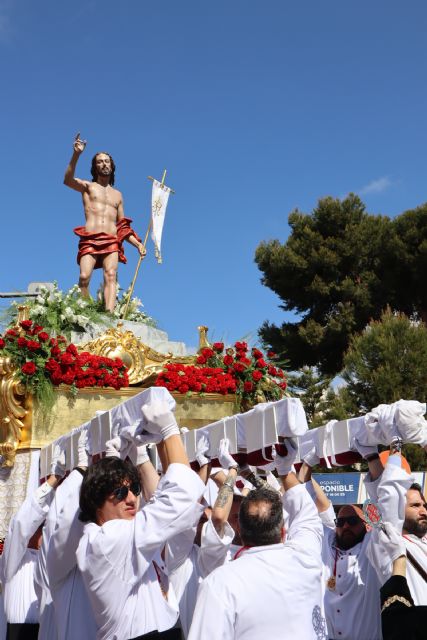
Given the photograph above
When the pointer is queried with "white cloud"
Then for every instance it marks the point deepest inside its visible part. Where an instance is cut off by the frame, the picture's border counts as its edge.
(376, 186)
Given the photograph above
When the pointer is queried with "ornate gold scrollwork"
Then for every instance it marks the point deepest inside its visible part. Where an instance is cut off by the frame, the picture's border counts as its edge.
(13, 428)
(143, 362)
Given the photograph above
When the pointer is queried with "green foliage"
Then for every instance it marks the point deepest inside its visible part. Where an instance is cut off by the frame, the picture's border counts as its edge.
(134, 311)
(416, 457)
(410, 261)
(340, 268)
(62, 313)
(311, 388)
(388, 361)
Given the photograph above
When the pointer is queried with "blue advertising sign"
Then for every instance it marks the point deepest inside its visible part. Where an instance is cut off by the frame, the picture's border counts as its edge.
(341, 488)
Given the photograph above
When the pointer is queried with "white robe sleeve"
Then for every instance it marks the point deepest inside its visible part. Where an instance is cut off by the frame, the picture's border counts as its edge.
(214, 548)
(305, 527)
(392, 490)
(328, 517)
(68, 530)
(25, 523)
(179, 548)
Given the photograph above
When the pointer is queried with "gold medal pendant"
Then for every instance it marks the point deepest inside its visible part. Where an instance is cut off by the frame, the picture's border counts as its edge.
(331, 583)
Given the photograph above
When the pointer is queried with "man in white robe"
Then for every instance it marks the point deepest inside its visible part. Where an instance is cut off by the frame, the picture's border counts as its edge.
(272, 590)
(119, 552)
(403, 505)
(351, 596)
(18, 563)
(194, 554)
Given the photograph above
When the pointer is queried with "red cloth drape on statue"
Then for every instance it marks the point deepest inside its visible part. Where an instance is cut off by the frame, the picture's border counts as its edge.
(98, 244)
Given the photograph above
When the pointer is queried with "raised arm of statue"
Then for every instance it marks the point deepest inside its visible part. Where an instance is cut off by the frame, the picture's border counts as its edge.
(69, 179)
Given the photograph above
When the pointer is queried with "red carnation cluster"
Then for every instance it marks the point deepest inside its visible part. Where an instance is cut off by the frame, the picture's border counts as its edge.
(230, 370)
(184, 378)
(37, 354)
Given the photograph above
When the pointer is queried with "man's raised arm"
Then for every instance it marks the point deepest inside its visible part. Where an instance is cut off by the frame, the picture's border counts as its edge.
(69, 179)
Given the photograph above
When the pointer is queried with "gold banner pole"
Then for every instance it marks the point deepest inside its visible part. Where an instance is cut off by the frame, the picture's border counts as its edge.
(140, 257)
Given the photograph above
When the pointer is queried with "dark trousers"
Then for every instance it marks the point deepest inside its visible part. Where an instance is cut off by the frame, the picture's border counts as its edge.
(170, 634)
(22, 631)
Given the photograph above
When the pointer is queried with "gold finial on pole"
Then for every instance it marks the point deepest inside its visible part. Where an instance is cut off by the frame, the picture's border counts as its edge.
(140, 257)
(203, 338)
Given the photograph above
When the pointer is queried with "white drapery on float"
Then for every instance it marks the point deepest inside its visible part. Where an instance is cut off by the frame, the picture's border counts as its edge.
(255, 432)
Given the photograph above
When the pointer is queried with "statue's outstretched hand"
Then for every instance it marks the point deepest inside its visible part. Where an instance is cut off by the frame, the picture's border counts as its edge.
(79, 144)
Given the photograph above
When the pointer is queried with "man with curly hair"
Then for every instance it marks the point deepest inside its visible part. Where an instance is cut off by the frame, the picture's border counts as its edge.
(119, 554)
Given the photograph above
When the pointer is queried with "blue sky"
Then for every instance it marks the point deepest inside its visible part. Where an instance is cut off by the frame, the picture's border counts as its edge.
(254, 108)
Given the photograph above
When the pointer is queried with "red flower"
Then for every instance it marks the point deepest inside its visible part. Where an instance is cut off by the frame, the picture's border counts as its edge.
(33, 345)
(26, 324)
(260, 364)
(36, 329)
(283, 385)
(68, 378)
(248, 386)
(201, 360)
(218, 346)
(271, 355)
(22, 343)
(280, 373)
(228, 360)
(72, 349)
(29, 368)
(256, 375)
(55, 352)
(239, 367)
(257, 354)
(61, 339)
(67, 358)
(43, 336)
(11, 334)
(241, 346)
(272, 370)
(51, 365)
(2, 343)
(207, 353)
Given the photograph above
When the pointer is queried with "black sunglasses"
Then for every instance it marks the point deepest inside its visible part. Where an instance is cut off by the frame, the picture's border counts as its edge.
(351, 520)
(121, 493)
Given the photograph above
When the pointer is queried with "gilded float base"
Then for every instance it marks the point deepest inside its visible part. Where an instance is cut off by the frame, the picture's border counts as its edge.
(69, 412)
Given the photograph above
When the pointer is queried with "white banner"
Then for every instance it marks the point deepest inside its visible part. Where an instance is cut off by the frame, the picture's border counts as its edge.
(159, 202)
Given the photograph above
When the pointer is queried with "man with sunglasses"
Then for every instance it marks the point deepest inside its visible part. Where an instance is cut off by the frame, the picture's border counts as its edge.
(119, 552)
(351, 588)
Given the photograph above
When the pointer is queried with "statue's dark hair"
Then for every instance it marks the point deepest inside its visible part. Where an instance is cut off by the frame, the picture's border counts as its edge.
(100, 481)
(265, 527)
(93, 168)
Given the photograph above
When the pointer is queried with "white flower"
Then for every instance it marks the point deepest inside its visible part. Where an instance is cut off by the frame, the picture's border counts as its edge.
(68, 312)
(37, 310)
(40, 299)
(81, 303)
